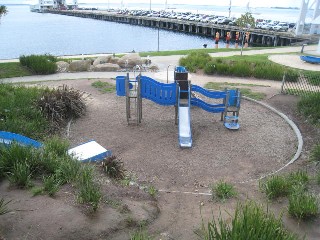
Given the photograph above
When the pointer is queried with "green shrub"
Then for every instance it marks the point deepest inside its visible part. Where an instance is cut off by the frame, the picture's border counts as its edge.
(140, 235)
(292, 75)
(20, 175)
(223, 190)
(210, 68)
(241, 69)
(195, 61)
(309, 107)
(303, 205)
(223, 68)
(315, 154)
(312, 77)
(40, 64)
(250, 221)
(104, 87)
(275, 186)
(318, 178)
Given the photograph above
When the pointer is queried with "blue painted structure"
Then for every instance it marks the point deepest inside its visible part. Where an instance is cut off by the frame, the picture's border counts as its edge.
(310, 59)
(9, 138)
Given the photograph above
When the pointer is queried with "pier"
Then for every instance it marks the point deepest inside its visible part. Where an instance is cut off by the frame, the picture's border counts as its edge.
(258, 37)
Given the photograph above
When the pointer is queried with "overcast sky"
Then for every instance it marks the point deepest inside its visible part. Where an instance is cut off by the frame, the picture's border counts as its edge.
(253, 3)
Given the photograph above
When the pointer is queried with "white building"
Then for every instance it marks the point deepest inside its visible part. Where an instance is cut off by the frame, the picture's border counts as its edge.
(44, 5)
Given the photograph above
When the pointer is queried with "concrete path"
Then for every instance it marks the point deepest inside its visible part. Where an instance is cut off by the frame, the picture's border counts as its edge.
(168, 62)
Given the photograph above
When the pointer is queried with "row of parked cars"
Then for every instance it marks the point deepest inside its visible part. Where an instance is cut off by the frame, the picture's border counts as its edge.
(188, 16)
(274, 25)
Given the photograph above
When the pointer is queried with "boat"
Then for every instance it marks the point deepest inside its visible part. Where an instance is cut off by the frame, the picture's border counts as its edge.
(310, 59)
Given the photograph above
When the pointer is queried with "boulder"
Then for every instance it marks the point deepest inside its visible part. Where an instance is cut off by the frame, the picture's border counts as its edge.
(101, 60)
(114, 60)
(106, 67)
(130, 60)
(80, 66)
(62, 66)
(153, 67)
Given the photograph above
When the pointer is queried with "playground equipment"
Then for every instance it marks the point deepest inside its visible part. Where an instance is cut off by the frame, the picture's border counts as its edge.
(182, 95)
(310, 59)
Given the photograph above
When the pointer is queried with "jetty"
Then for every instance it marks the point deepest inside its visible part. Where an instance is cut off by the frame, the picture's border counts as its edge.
(258, 37)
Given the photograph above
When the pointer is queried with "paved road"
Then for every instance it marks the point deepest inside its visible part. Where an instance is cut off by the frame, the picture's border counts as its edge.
(164, 61)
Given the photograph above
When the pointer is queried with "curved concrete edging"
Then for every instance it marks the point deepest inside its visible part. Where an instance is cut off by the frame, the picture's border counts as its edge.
(294, 128)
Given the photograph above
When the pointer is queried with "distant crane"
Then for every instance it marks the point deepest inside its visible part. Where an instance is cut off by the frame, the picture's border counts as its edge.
(303, 13)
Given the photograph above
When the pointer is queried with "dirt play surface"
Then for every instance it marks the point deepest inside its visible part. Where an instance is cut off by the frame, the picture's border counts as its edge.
(150, 152)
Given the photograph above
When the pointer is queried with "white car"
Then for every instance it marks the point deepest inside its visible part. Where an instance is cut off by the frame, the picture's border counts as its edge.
(281, 27)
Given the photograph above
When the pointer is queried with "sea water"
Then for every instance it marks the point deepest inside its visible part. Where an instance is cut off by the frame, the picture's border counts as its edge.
(23, 32)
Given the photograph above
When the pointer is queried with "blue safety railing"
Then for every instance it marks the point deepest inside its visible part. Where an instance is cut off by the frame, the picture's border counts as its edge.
(214, 108)
(161, 93)
(208, 93)
(8, 138)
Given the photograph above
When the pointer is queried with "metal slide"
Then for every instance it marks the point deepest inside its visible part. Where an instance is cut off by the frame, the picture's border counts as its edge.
(185, 137)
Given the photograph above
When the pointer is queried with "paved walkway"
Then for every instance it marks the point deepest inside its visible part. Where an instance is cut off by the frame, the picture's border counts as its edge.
(168, 62)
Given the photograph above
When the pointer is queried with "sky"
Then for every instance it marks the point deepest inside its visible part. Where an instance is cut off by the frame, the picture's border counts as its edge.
(253, 3)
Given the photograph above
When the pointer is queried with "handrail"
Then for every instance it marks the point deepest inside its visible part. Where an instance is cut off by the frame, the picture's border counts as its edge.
(208, 93)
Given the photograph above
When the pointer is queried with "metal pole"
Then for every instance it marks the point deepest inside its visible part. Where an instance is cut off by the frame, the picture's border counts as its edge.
(230, 9)
(158, 36)
(150, 6)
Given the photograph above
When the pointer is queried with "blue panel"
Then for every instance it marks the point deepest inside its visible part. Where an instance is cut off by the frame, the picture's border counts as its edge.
(98, 157)
(181, 69)
(120, 85)
(161, 93)
(8, 138)
(209, 93)
(214, 108)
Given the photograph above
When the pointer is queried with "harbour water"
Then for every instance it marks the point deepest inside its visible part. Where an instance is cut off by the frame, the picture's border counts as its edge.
(23, 32)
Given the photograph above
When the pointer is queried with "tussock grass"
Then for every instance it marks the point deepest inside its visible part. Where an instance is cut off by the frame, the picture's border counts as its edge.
(223, 190)
(309, 107)
(249, 221)
(315, 154)
(275, 187)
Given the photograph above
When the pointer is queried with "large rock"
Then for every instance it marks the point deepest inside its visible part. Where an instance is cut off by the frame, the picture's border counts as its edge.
(62, 66)
(106, 67)
(130, 60)
(101, 60)
(114, 60)
(80, 66)
(153, 67)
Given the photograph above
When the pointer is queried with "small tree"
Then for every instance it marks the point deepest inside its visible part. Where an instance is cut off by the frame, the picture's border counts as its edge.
(3, 11)
(246, 20)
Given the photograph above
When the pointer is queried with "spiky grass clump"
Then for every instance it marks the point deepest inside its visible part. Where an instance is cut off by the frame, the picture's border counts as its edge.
(51, 185)
(195, 60)
(89, 191)
(275, 186)
(61, 104)
(140, 235)
(303, 205)
(223, 190)
(113, 168)
(20, 175)
(309, 107)
(315, 154)
(250, 221)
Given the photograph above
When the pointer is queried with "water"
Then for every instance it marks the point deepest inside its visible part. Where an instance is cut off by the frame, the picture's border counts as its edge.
(23, 32)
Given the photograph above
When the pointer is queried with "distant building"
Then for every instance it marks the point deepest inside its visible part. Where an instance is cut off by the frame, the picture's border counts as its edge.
(45, 5)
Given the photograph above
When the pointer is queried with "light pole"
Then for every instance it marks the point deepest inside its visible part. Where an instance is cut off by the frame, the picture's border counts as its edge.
(230, 9)
(150, 6)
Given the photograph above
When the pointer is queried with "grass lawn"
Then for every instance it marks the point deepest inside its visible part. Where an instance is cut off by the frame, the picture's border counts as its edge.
(13, 69)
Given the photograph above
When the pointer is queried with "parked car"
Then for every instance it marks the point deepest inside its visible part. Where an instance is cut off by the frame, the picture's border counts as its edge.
(281, 27)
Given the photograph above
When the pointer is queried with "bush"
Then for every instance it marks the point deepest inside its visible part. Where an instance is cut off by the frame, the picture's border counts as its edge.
(299, 178)
(250, 221)
(223, 190)
(3, 206)
(309, 107)
(40, 64)
(50, 185)
(276, 186)
(61, 105)
(292, 75)
(315, 154)
(195, 61)
(210, 68)
(241, 69)
(20, 175)
(113, 167)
